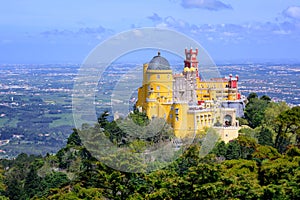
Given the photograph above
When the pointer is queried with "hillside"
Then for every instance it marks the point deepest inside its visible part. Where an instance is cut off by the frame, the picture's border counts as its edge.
(262, 163)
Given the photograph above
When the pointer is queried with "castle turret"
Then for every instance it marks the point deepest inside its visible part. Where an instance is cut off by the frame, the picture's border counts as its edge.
(156, 94)
(191, 60)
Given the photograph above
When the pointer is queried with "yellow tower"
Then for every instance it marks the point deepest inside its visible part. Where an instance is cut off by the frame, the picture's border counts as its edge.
(156, 94)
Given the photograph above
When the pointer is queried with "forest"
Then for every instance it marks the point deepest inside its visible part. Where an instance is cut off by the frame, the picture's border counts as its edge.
(262, 163)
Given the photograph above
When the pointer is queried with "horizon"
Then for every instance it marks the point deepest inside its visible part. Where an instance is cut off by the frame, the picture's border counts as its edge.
(218, 63)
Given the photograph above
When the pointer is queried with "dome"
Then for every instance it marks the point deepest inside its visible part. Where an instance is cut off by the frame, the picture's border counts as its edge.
(159, 63)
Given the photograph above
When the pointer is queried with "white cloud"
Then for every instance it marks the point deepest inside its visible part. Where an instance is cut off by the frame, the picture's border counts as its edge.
(229, 34)
(282, 32)
(292, 12)
(254, 32)
(162, 25)
(137, 33)
(155, 17)
(97, 32)
(205, 4)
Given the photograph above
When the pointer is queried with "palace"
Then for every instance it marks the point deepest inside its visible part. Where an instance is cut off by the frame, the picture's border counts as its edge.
(186, 101)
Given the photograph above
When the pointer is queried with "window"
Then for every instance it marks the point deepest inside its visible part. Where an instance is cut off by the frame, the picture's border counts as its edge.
(171, 116)
(158, 76)
(157, 87)
(176, 111)
(177, 118)
(227, 120)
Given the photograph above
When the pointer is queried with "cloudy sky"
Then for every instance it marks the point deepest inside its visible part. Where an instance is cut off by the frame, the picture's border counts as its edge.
(56, 31)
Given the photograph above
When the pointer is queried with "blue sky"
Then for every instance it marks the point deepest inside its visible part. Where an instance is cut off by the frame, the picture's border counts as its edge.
(36, 31)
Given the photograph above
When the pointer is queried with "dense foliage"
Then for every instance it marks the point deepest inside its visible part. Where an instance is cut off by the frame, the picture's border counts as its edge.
(273, 124)
(262, 163)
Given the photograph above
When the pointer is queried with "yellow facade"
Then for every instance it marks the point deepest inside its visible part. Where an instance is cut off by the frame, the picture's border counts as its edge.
(156, 95)
(186, 102)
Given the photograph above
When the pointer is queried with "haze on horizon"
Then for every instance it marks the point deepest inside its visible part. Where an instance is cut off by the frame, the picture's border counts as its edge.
(231, 31)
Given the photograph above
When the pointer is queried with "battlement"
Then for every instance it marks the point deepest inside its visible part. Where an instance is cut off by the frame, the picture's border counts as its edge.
(191, 52)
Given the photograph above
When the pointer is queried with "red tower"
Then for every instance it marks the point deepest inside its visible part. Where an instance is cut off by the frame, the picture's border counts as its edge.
(191, 59)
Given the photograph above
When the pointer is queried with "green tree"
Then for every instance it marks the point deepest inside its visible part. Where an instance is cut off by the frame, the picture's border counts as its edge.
(51, 181)
(251, 96)
(203, 179)
(266, 152)
(102, 120)
(74, 138)
(248, 132)
(275, 171)
(75, 192)
(272, 111)
(254, 111)
(32, 184)
(233, 150)
(140, 118)
(240, 180)
(272, 191)
(242, 121)
(247, 146)
(265, 136)
(3, 187)
(287, 127)
(220, 149)
(265, 98)
(293, 151)
(189, 158)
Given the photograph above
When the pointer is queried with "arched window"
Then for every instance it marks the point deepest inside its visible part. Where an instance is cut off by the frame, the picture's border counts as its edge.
(227, 120)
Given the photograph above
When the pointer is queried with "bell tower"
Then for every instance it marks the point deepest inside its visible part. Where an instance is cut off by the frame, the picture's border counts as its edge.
(191, 60)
